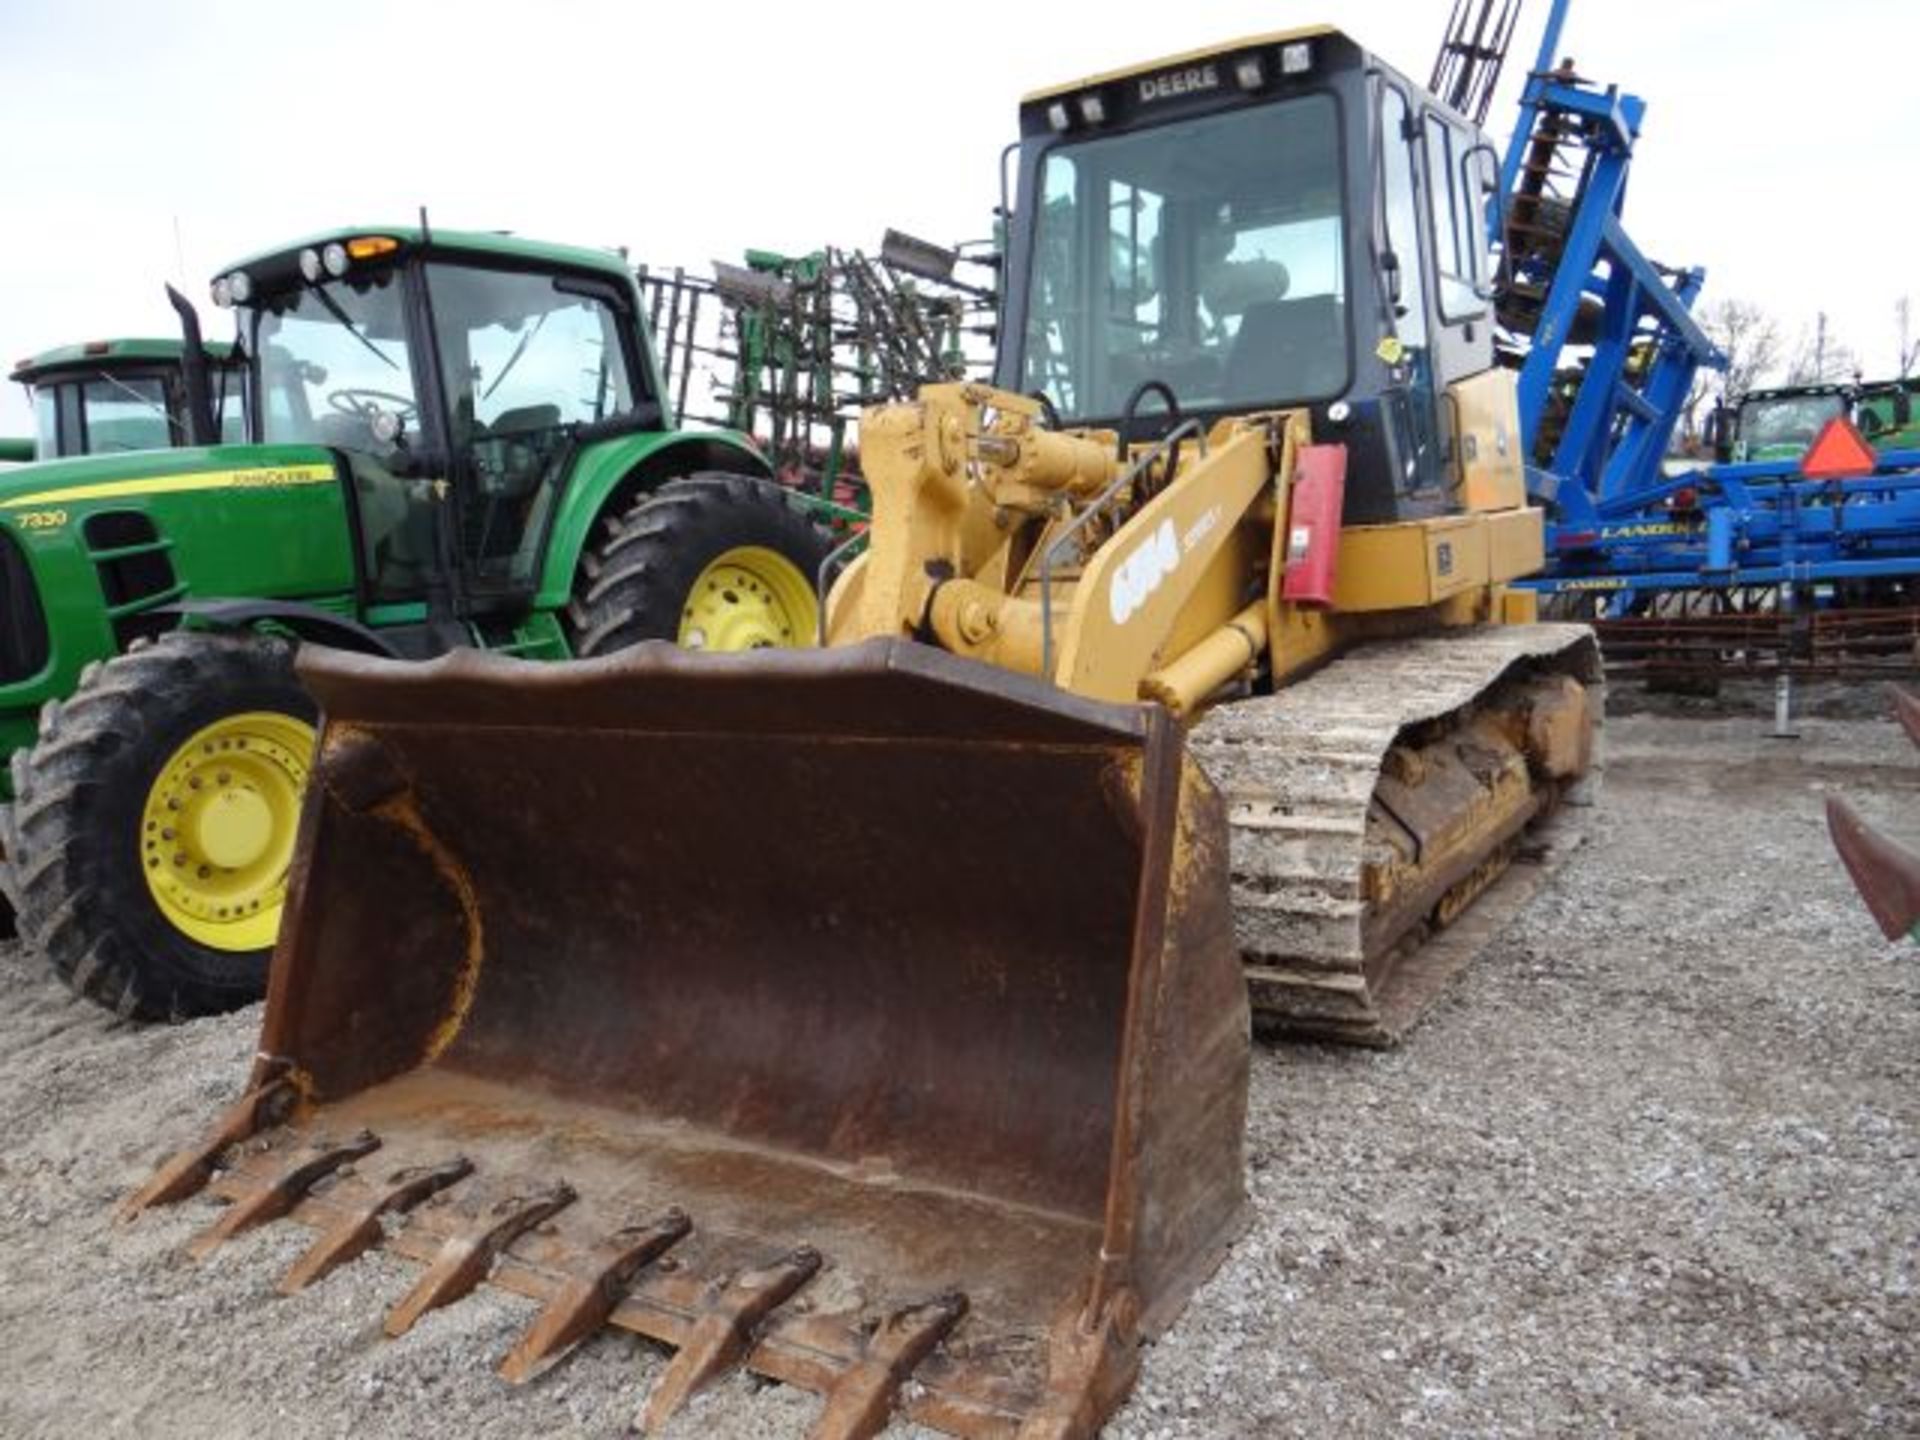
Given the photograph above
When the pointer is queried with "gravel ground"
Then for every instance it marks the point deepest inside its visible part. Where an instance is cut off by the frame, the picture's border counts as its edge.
(1653, 1165)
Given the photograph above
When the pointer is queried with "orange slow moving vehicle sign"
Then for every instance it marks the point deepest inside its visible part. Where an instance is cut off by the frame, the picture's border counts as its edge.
(1839, 452)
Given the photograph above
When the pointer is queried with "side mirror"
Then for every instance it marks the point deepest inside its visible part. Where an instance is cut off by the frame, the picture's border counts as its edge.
(1902, 409)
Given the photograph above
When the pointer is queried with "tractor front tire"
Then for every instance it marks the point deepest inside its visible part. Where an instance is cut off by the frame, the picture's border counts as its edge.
(153, 823)
(710, 562)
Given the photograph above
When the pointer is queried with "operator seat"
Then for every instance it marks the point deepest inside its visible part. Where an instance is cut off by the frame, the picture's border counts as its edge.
(1288, 350)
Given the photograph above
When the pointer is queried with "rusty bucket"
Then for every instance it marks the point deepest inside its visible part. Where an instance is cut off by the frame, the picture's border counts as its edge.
(870, 1018)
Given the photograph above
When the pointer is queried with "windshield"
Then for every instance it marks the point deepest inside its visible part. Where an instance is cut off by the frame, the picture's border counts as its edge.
(333, 358)
(1785, 425)
(1208, 254)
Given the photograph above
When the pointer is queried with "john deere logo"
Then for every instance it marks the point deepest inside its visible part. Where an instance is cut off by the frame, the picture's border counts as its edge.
(1179, 82)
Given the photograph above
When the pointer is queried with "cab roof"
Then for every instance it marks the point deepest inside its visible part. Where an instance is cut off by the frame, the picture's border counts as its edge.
(103, 354)
(1185, 57)
(490, 243)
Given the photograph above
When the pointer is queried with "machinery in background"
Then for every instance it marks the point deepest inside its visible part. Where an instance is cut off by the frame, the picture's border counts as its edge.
(113, 396)
(1786, 558)
(456, 440)
(791, 349)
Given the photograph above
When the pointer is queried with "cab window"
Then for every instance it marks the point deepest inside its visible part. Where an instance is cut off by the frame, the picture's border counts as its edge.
(126, 415)
(1457, 233)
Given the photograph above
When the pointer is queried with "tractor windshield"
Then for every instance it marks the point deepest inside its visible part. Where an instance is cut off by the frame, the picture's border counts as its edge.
(1207, 253)
(1781, 427)
(333, 366)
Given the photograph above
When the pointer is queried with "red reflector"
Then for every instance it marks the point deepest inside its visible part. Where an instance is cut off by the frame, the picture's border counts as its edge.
(1838, 452)
(96, 347)
(1685, 498)
(1576, 539)
(1313, 525)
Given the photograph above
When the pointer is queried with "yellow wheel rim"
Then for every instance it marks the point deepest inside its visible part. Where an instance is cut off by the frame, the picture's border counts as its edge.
(216, 834)
(750, 598)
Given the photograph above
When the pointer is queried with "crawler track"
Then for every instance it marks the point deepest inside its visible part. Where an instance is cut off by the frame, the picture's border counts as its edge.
(1373, 802)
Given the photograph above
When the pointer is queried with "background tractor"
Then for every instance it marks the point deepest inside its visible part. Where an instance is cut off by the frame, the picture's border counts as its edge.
(111, 396)
(454, 440)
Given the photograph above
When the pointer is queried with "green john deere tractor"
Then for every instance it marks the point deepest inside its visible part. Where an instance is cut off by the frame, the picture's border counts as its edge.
(1781, 422)
(454, 440)
(111, 396)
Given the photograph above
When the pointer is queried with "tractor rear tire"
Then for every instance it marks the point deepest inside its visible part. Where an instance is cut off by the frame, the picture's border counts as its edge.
(713, 561)
(91, 797)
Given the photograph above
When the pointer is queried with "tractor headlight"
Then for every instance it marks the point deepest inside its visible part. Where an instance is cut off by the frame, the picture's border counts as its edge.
(1093, 109)
(1297, 58)
(334, 257)
(1249, 72)
(310, 265)
(240, 286)
(222, 293)
(1058, 116)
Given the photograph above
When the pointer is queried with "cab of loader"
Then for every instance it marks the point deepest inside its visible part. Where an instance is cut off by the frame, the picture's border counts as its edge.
(1285, 223)
(105, 397)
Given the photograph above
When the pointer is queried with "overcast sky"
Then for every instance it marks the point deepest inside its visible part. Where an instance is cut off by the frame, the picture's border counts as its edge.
(153, 141)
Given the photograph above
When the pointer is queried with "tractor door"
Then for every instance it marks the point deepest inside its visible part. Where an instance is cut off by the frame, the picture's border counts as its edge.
(527, 358)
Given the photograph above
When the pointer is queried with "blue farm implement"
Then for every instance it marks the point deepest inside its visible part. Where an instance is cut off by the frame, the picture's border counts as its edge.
(1785, 565)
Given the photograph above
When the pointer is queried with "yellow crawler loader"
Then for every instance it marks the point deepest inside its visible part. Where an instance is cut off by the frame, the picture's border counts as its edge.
(876, 1017)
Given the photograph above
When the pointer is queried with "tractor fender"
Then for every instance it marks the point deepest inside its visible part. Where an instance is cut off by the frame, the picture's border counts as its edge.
(307, 622)
(609, 476)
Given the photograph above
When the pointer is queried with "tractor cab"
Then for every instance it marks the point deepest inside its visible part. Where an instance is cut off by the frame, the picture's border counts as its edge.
(1285, 222)
(111, 396)
(458, 376)
(1779, 423)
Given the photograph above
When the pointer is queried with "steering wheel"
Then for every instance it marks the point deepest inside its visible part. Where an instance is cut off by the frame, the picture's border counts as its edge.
(364, 404)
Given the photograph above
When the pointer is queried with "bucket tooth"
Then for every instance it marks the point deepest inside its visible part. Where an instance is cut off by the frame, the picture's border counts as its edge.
(280, 1194)
(1886, 873)
(465, 1259)
(1091, 1364)
(267, 1104)
(1906, 707)
(590, 1294)
(862, 1400)
(359, 1231)
(724, 1332)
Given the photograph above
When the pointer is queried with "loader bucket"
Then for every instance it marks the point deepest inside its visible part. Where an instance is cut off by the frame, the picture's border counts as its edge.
(868, 1017)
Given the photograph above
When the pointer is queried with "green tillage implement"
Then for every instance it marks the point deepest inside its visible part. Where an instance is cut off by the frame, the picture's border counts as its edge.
(458, 440)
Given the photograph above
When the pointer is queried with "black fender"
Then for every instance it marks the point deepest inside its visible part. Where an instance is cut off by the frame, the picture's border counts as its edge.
(308, 622)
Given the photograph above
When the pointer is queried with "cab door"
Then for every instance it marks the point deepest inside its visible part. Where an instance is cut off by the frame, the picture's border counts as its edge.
(1409, 402)
(527, 359)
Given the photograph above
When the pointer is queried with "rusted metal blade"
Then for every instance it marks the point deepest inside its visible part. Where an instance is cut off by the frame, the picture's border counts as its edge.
(1906, 707)
(261, 1108)
(724, 1332)
(589, 1295)
(282, 1193)
(1886, 873)
(862, 1400)
(358, 1232)
(465, 1259)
